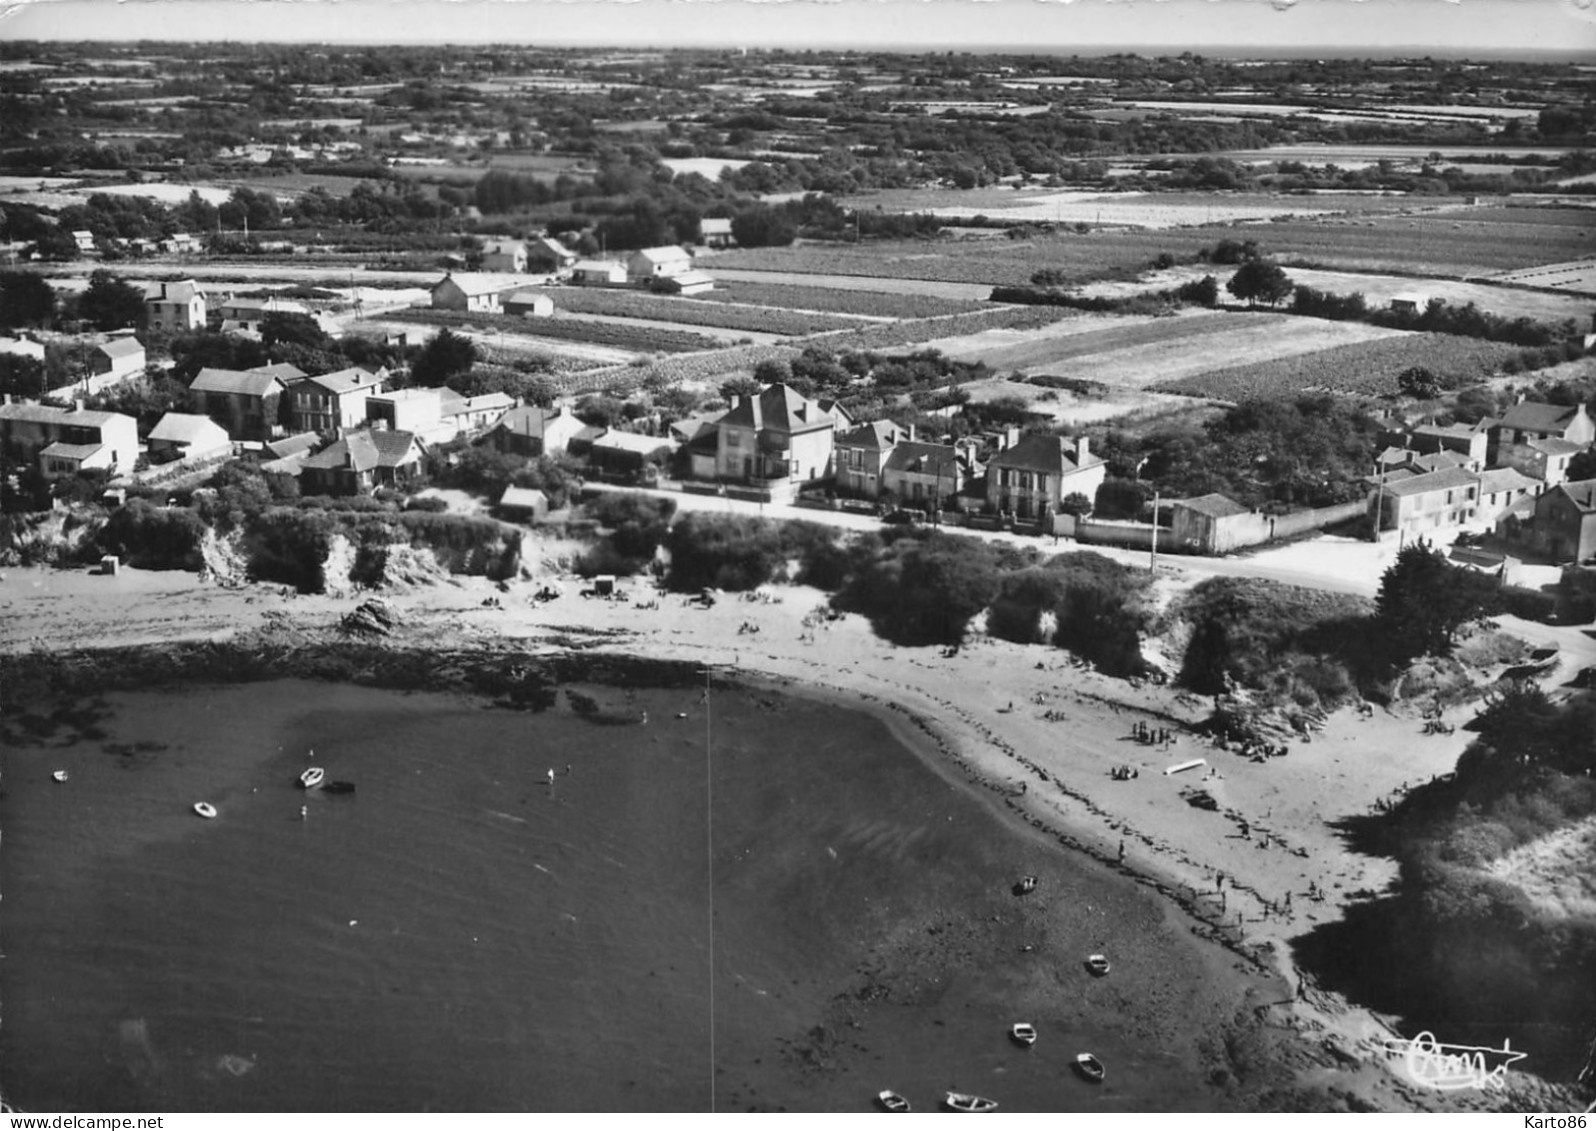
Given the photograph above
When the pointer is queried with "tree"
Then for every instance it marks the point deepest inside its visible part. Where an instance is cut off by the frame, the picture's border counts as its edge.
(110, 304)
(293, 328)
(1419, 382)
(740, 387)
(1424, 599)
(25, 299)
(772, 371)
(446, 356)
(763, 226)
(1260, 280)
(1582, 466)
(1075, 504)
(21, 376)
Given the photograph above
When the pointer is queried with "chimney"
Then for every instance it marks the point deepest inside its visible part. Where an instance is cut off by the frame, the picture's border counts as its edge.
(911, 433)
(77, 406)
(1083, 451)
(736, 401)
(1011, 436)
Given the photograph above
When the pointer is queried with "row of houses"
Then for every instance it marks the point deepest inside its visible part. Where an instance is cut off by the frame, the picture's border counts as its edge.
(498, 292)
(544, 255)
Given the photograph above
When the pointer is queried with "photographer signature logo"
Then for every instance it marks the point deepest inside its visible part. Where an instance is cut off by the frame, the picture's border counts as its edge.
(1449, 1068)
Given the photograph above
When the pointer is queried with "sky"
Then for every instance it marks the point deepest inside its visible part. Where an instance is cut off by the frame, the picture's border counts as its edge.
(1476, 28)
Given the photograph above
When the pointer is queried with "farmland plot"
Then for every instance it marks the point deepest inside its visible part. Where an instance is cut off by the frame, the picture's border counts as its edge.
(1367, 367)
(1156, 352)
(838, 300)
(1577, 278)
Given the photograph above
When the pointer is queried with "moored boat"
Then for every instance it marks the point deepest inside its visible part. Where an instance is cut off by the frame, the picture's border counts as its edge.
(312, 777)
(1098, 964)
(963, 1101)
(1023, 1033)
(891, 1101)
(205, 809)
(1090, 1067)
(59, 775)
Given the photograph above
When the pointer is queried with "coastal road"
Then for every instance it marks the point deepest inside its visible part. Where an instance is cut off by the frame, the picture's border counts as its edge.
(1334, 565)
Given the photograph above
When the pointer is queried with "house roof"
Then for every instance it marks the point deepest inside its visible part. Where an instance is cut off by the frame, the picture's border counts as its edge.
(608, 265)
(877, 435)
(270, 305)
(632, 442)
(940, 460)
(779, 408)
(1460, 431)
(250, 384)
(526, 298)
(1435, 461)
(32, 413)
(532, 420)
(552, 246)
(528, 497)
(1538, 416)
(1040, 452)
(185, 290)
(364, 451)
(478, 282)
(693, 277)
(350, 380)
(282, 370)
(79, 452)
(121, 347)
(670, 254)
(1581, 492)
(714, 226)
(1213, 505)
(186, 428)
(293, 445)
(505, 247)
(457, 405)
(1556, 446)
(1447, 479)
(1505, 479)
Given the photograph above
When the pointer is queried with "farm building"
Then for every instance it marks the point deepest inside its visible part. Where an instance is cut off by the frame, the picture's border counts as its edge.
(529, 304)
(692, 282)
(549, 256)
(473, 292)
(716, 232)
(188, 436)
(657, 262)
(505, 256)
(85, 241)
(1031, 478)
(599, 273)
(1409, 302)
(523, 504)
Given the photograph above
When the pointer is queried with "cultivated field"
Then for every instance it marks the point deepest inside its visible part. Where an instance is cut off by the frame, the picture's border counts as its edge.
(1576, 278)
(1073, 409)
(835, 300)
(1368, 367)
(1454, 243)
(1142, 353)
(693, 312)
(1378, 290)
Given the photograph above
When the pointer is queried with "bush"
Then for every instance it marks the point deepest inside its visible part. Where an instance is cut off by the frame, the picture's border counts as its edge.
(152, 537)
(925, 590)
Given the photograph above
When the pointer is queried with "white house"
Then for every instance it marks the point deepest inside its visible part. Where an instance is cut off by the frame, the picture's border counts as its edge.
(176, 306)
(471, 291)
(657, 262)
(599, 273)
(188, 436)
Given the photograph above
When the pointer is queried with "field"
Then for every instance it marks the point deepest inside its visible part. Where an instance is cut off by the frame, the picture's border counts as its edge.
(1378, 290)
(832, 300)
(632, 339)
(1144, 353)
(1575, 278)
(1454, 243)
(692, 312)
(1369, 368)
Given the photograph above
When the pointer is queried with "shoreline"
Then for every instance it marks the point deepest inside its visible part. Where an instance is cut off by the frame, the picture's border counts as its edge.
(971, 716)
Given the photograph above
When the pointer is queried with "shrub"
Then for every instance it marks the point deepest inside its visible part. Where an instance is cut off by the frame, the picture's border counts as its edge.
(925, 590)
(152, 537)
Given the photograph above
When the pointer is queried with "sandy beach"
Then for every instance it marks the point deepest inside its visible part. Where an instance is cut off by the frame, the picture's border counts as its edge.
(1024, 728)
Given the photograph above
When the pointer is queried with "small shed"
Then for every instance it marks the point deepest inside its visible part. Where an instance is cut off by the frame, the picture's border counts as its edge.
(1409, 302)
(529, 304)
(523, 504)
(1209, 524)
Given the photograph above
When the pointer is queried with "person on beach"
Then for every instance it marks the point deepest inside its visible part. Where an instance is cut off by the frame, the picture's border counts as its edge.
(551, 779)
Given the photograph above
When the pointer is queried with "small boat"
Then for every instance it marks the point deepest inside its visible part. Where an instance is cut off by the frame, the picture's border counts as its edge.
(1023, 1033)
(1025, 886)
(1098, 964)
(962, 1101)
(891, 1101)
(1090, 1067)
(339, 787)
(205, 809)
(312, 777)
(59, 775)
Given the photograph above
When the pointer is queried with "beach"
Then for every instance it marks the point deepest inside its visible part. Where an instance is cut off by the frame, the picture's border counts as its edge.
(1205, 1006)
